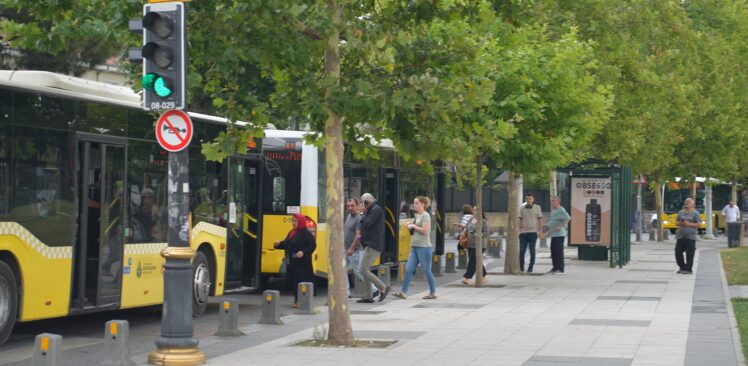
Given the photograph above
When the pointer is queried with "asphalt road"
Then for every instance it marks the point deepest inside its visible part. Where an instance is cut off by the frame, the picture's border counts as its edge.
(83, 334)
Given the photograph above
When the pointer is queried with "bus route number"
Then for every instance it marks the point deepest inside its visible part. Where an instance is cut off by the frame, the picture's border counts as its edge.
(164, 105)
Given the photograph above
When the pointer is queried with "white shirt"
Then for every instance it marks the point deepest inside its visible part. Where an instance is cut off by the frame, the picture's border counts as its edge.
(731, 213)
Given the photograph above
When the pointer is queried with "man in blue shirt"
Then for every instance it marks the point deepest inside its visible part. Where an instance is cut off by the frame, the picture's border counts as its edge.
(557, 231)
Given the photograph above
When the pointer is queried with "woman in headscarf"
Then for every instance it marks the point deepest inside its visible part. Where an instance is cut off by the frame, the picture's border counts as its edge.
(299, 245)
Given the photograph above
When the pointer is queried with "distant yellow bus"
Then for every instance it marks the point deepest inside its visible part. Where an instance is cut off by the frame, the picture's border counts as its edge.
(83, 200)
(676, 192)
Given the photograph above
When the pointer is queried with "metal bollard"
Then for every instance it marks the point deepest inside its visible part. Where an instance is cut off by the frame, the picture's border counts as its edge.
(270, 308)
(47, 348)
(228, 319)
(666, 234)
(449, 266)
(462, 259)
(653, 235)
(306, 298)
(492, 247)
(544, 242)
(495, 248)
(436, 266)
(419, 273)
(116, 343)
(383, 272)
(401, 273)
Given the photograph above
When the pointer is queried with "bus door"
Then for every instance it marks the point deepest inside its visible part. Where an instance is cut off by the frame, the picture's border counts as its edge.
(244, 238)
(389, 180)
(100, 225)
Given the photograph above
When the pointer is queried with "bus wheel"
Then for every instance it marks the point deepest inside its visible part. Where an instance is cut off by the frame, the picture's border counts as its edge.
(8, 301)
(201, 284)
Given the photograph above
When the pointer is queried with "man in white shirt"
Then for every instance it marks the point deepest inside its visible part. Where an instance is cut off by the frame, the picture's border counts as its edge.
(731, 212)
(531, 226)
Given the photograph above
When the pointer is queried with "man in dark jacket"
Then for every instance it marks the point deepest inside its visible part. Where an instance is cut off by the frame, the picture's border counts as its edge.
(372, 238)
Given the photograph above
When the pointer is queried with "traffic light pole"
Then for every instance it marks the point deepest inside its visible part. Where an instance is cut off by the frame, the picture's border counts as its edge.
(164, 57)
(176, 346)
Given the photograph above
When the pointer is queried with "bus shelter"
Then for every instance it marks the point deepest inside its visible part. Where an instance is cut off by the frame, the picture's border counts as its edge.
(597, 195)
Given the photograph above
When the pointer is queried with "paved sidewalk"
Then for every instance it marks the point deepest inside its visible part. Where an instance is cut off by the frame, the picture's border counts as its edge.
(643, 314)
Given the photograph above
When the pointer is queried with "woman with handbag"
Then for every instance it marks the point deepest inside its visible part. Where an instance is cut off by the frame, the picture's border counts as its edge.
(299, 245)
(467, 215)
(420, 249)
(471, 229)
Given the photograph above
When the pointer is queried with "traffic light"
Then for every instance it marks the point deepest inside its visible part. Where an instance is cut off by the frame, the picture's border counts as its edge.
(164, 56)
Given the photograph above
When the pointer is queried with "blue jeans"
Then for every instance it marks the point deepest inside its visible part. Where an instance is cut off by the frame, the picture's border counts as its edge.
(525, 240)
(419, 255)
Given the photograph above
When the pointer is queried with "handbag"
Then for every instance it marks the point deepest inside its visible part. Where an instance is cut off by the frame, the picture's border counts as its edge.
(463, 238)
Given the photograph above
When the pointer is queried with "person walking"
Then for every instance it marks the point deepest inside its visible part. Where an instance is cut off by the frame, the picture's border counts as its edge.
(467, 215)
(372, 238)
(531, 226)
(472, 229)
(731, 212)
(557, 231)
(354, 252)
(299, 245)
(688, 221)
(420, 249)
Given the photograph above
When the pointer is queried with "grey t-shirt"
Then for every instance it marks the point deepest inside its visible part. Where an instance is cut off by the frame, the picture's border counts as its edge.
(530, 218)
(418, 239)
(687, 232)
(352, 223)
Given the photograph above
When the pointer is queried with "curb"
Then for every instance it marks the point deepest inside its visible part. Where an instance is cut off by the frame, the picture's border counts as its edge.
(730, 313)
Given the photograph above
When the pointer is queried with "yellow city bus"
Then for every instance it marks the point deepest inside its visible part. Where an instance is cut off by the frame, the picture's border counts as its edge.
(83, 201)
(674, 193)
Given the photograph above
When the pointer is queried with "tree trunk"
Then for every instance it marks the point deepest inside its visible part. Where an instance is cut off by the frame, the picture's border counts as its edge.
(639, 210)
(479, 229)
(709, 227)
(554, 186)
(340, 331)
(658, 203)
(511, 262)
(734, 198)
(734, 192)
(694, 185)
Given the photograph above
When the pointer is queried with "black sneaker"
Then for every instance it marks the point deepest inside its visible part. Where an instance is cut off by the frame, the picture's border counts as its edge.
(365, 301)
(384, 294)
(679, 271)
(375, 294)
(529, 270)
(686, 272)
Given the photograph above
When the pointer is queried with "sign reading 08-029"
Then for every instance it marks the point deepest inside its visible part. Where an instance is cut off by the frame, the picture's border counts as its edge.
(174, 130)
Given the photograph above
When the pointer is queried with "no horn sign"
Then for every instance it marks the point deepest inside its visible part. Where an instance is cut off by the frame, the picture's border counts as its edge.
(174, 130)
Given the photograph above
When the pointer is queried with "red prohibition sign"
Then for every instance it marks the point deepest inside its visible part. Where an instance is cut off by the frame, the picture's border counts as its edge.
(174, 130)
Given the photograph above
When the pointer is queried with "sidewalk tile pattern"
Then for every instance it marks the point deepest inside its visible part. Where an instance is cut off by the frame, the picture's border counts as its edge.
(708, 343)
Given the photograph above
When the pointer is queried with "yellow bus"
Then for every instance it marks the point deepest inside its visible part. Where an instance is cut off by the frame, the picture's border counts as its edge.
(674, 193)
(83, 201)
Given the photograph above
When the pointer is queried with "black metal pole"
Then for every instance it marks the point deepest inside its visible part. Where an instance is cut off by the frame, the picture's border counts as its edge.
(441, 204)
(176, 346)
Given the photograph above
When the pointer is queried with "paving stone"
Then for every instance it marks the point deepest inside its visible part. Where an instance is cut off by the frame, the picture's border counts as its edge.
(710, 333)
(644, 282)
(611, 322)
(581, 361)
(630, 298)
